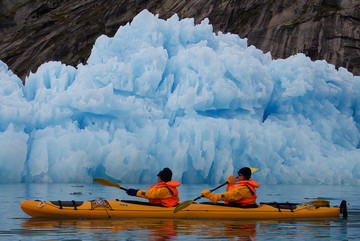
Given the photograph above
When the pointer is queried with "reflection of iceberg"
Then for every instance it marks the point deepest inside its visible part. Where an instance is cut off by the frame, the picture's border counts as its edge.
(171, 93)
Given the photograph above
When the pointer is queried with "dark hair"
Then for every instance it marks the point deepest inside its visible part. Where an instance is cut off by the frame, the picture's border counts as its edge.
(165, 174)
(246, 172)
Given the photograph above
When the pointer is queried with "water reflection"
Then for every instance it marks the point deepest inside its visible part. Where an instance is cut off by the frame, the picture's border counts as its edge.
(177, 229)
(152, 229)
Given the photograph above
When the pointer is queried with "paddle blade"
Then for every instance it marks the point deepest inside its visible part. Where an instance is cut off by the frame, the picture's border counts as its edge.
(183, 205)
(317, 203)
(253, 169)
(106, 182)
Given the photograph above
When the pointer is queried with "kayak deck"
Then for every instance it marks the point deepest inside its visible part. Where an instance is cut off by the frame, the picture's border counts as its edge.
(133, 209)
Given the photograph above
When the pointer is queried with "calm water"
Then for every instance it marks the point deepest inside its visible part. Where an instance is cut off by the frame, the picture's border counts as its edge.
(16, 225)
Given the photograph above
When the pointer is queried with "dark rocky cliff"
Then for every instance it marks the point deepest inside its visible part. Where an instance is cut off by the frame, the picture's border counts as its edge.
(33, 31)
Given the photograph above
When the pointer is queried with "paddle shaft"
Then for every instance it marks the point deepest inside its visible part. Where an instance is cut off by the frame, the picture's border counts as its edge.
(125, 189)
(210, 191)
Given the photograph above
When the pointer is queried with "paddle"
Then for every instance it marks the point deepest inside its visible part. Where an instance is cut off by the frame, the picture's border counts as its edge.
(185, 204)
(108, 183)
(316, 203)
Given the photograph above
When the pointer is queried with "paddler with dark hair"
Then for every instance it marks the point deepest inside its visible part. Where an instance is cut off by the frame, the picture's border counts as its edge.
(241, 193)
(164, 193)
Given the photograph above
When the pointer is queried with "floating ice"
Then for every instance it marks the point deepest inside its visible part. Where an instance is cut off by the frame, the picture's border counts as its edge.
(174, 94)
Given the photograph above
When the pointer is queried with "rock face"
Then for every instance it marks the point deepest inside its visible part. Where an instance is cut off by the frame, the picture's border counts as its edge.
(33, 32)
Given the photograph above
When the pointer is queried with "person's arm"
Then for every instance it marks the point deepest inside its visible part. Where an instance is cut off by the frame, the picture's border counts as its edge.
(155, 193)
(230, 196)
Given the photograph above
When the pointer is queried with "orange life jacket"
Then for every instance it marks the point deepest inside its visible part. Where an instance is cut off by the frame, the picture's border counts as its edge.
(251, 184)
(170, 201)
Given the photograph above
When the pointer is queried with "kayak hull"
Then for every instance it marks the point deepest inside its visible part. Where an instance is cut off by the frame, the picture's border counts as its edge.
(128, 209)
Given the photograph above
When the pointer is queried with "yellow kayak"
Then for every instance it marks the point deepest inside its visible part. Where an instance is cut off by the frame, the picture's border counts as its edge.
(100, 208)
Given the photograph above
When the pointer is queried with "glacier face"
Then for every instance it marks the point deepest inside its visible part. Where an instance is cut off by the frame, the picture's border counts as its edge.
(174, 94)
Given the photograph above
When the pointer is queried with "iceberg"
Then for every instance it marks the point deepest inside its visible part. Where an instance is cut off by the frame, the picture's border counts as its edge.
(170, 93)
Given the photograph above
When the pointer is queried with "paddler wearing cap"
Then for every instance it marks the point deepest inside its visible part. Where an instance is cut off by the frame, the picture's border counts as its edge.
(240, 193)
(163, 193)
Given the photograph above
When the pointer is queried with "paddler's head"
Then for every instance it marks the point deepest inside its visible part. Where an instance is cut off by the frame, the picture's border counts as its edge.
(244, 173)
(165, 175)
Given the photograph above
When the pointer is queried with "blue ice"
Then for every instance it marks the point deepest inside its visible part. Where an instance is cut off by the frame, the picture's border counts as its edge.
(169, 93)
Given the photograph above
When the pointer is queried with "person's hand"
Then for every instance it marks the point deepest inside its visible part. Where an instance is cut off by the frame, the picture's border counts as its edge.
(209, 195)
(206, 193)
(132, 192)
(231, 179)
